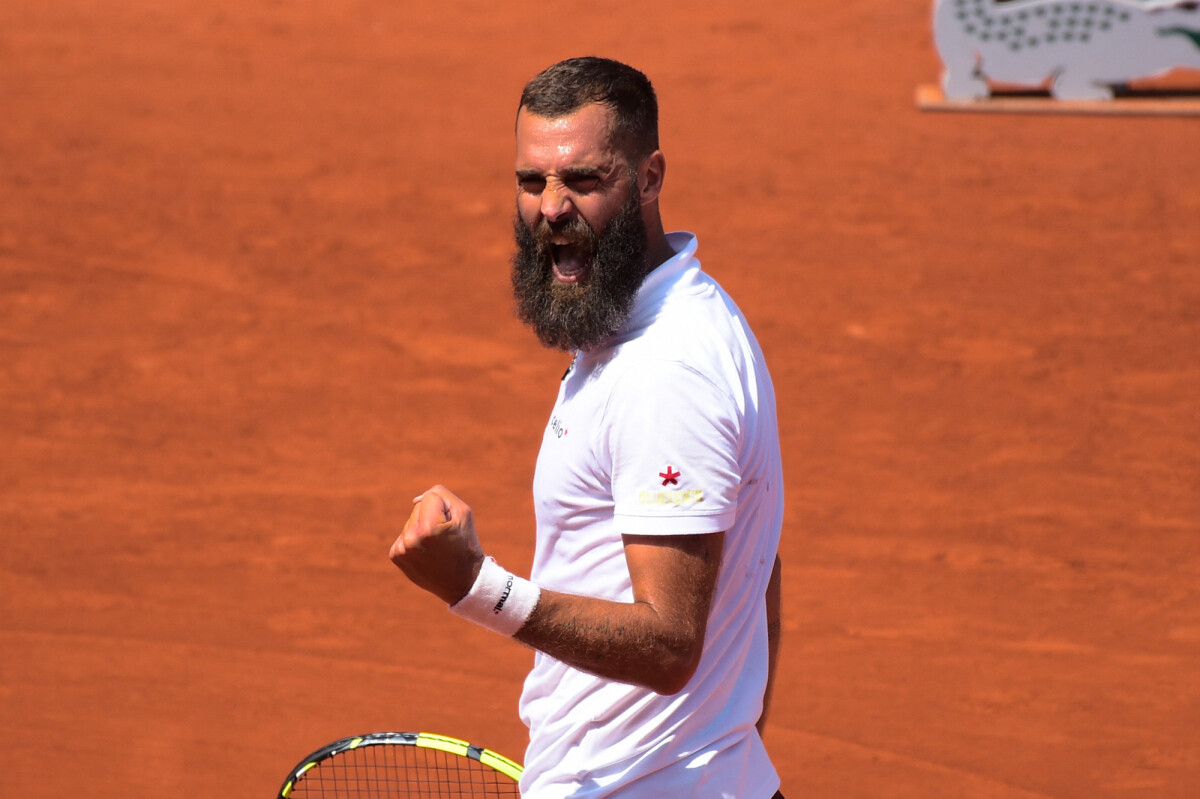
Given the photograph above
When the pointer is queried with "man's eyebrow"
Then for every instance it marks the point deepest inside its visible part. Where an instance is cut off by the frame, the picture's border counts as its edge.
(566, 173)
(580, 172)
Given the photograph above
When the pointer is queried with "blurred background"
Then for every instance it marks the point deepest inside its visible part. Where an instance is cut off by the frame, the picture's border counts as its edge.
(254, 297)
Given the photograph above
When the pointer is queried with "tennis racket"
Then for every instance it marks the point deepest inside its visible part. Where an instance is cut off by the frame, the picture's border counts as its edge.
(384, 765)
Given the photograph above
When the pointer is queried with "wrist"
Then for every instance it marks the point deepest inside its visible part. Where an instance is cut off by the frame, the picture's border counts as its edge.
(498, 600)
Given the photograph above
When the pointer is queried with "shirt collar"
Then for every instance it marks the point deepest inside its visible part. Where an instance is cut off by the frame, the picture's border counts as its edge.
(678, 273)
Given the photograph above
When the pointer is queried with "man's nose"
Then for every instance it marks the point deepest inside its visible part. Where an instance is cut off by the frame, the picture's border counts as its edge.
(556, 205)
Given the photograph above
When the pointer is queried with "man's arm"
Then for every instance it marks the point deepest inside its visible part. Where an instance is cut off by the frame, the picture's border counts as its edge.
(655, 641)
(774, 600)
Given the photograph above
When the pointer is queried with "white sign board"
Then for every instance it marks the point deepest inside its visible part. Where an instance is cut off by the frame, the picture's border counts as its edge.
(1080, 48)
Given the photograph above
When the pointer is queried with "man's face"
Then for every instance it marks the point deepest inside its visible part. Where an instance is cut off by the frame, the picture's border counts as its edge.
(581, 239)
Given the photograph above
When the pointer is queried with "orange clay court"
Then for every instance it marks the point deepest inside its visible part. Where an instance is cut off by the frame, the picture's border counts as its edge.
(254, 297)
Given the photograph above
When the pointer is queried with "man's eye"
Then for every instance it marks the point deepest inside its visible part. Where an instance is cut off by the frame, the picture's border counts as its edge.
(532, 185)
(583, 185)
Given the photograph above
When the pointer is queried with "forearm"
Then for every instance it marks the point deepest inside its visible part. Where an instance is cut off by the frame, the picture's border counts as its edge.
(656, 640)
(626, 642)
(774, 602)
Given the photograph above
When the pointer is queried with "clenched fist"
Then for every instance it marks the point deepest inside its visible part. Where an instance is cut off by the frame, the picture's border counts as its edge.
(438, 549)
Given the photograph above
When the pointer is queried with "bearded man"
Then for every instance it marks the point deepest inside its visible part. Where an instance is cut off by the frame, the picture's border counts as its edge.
(653, 603)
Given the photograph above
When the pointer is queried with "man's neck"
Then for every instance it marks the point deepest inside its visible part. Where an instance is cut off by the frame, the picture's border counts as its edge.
(659, 249)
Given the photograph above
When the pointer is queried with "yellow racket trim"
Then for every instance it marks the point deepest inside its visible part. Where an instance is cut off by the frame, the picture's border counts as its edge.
(287, 789)
(446, 744)
(486, 756)
(501, 763)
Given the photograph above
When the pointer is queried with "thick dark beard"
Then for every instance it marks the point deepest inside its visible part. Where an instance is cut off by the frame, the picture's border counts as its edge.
(579, 316)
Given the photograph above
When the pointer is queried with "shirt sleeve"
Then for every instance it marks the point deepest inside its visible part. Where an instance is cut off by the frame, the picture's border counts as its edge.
(673, 440)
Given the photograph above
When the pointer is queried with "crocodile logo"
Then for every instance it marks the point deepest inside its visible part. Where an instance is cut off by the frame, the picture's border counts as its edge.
(1193, 35)
(1081, 48)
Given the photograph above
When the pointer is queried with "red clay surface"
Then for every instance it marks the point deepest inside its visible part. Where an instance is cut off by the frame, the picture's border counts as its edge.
(253, 297)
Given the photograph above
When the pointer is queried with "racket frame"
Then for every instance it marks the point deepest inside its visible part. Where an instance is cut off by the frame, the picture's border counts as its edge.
(424, 740)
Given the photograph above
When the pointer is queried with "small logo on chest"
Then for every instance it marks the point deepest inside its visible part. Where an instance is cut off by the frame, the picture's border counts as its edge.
(669, 476)
(557, 426)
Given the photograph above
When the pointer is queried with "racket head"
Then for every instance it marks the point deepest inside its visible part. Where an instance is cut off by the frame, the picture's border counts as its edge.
(391, 765)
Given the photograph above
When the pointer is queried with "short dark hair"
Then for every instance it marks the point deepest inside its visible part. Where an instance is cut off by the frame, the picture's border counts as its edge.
(569, 85)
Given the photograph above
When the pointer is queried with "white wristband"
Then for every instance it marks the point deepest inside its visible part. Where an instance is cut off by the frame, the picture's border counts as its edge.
(498, 600)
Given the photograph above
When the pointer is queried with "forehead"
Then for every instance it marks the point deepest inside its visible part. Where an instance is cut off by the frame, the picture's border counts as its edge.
(581, 138)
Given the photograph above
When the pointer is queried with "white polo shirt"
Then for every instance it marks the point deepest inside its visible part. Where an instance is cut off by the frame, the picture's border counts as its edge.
(669, 428)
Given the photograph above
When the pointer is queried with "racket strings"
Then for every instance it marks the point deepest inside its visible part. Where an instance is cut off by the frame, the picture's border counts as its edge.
(401, 772)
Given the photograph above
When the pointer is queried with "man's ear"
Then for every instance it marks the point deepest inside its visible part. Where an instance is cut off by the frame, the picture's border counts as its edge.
(650, 177)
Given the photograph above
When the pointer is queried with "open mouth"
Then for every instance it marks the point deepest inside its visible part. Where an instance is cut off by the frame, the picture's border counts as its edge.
(570, 262)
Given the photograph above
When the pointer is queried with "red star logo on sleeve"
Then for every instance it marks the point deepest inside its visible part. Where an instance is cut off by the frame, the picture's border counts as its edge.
(669, 476)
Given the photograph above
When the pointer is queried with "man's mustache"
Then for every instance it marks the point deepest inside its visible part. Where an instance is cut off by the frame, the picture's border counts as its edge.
(576, 231)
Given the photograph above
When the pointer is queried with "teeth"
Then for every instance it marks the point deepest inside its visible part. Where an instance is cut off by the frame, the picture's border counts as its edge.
(568, 261)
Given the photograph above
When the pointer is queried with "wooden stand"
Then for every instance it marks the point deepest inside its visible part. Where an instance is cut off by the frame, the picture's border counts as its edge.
(1165, 102)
